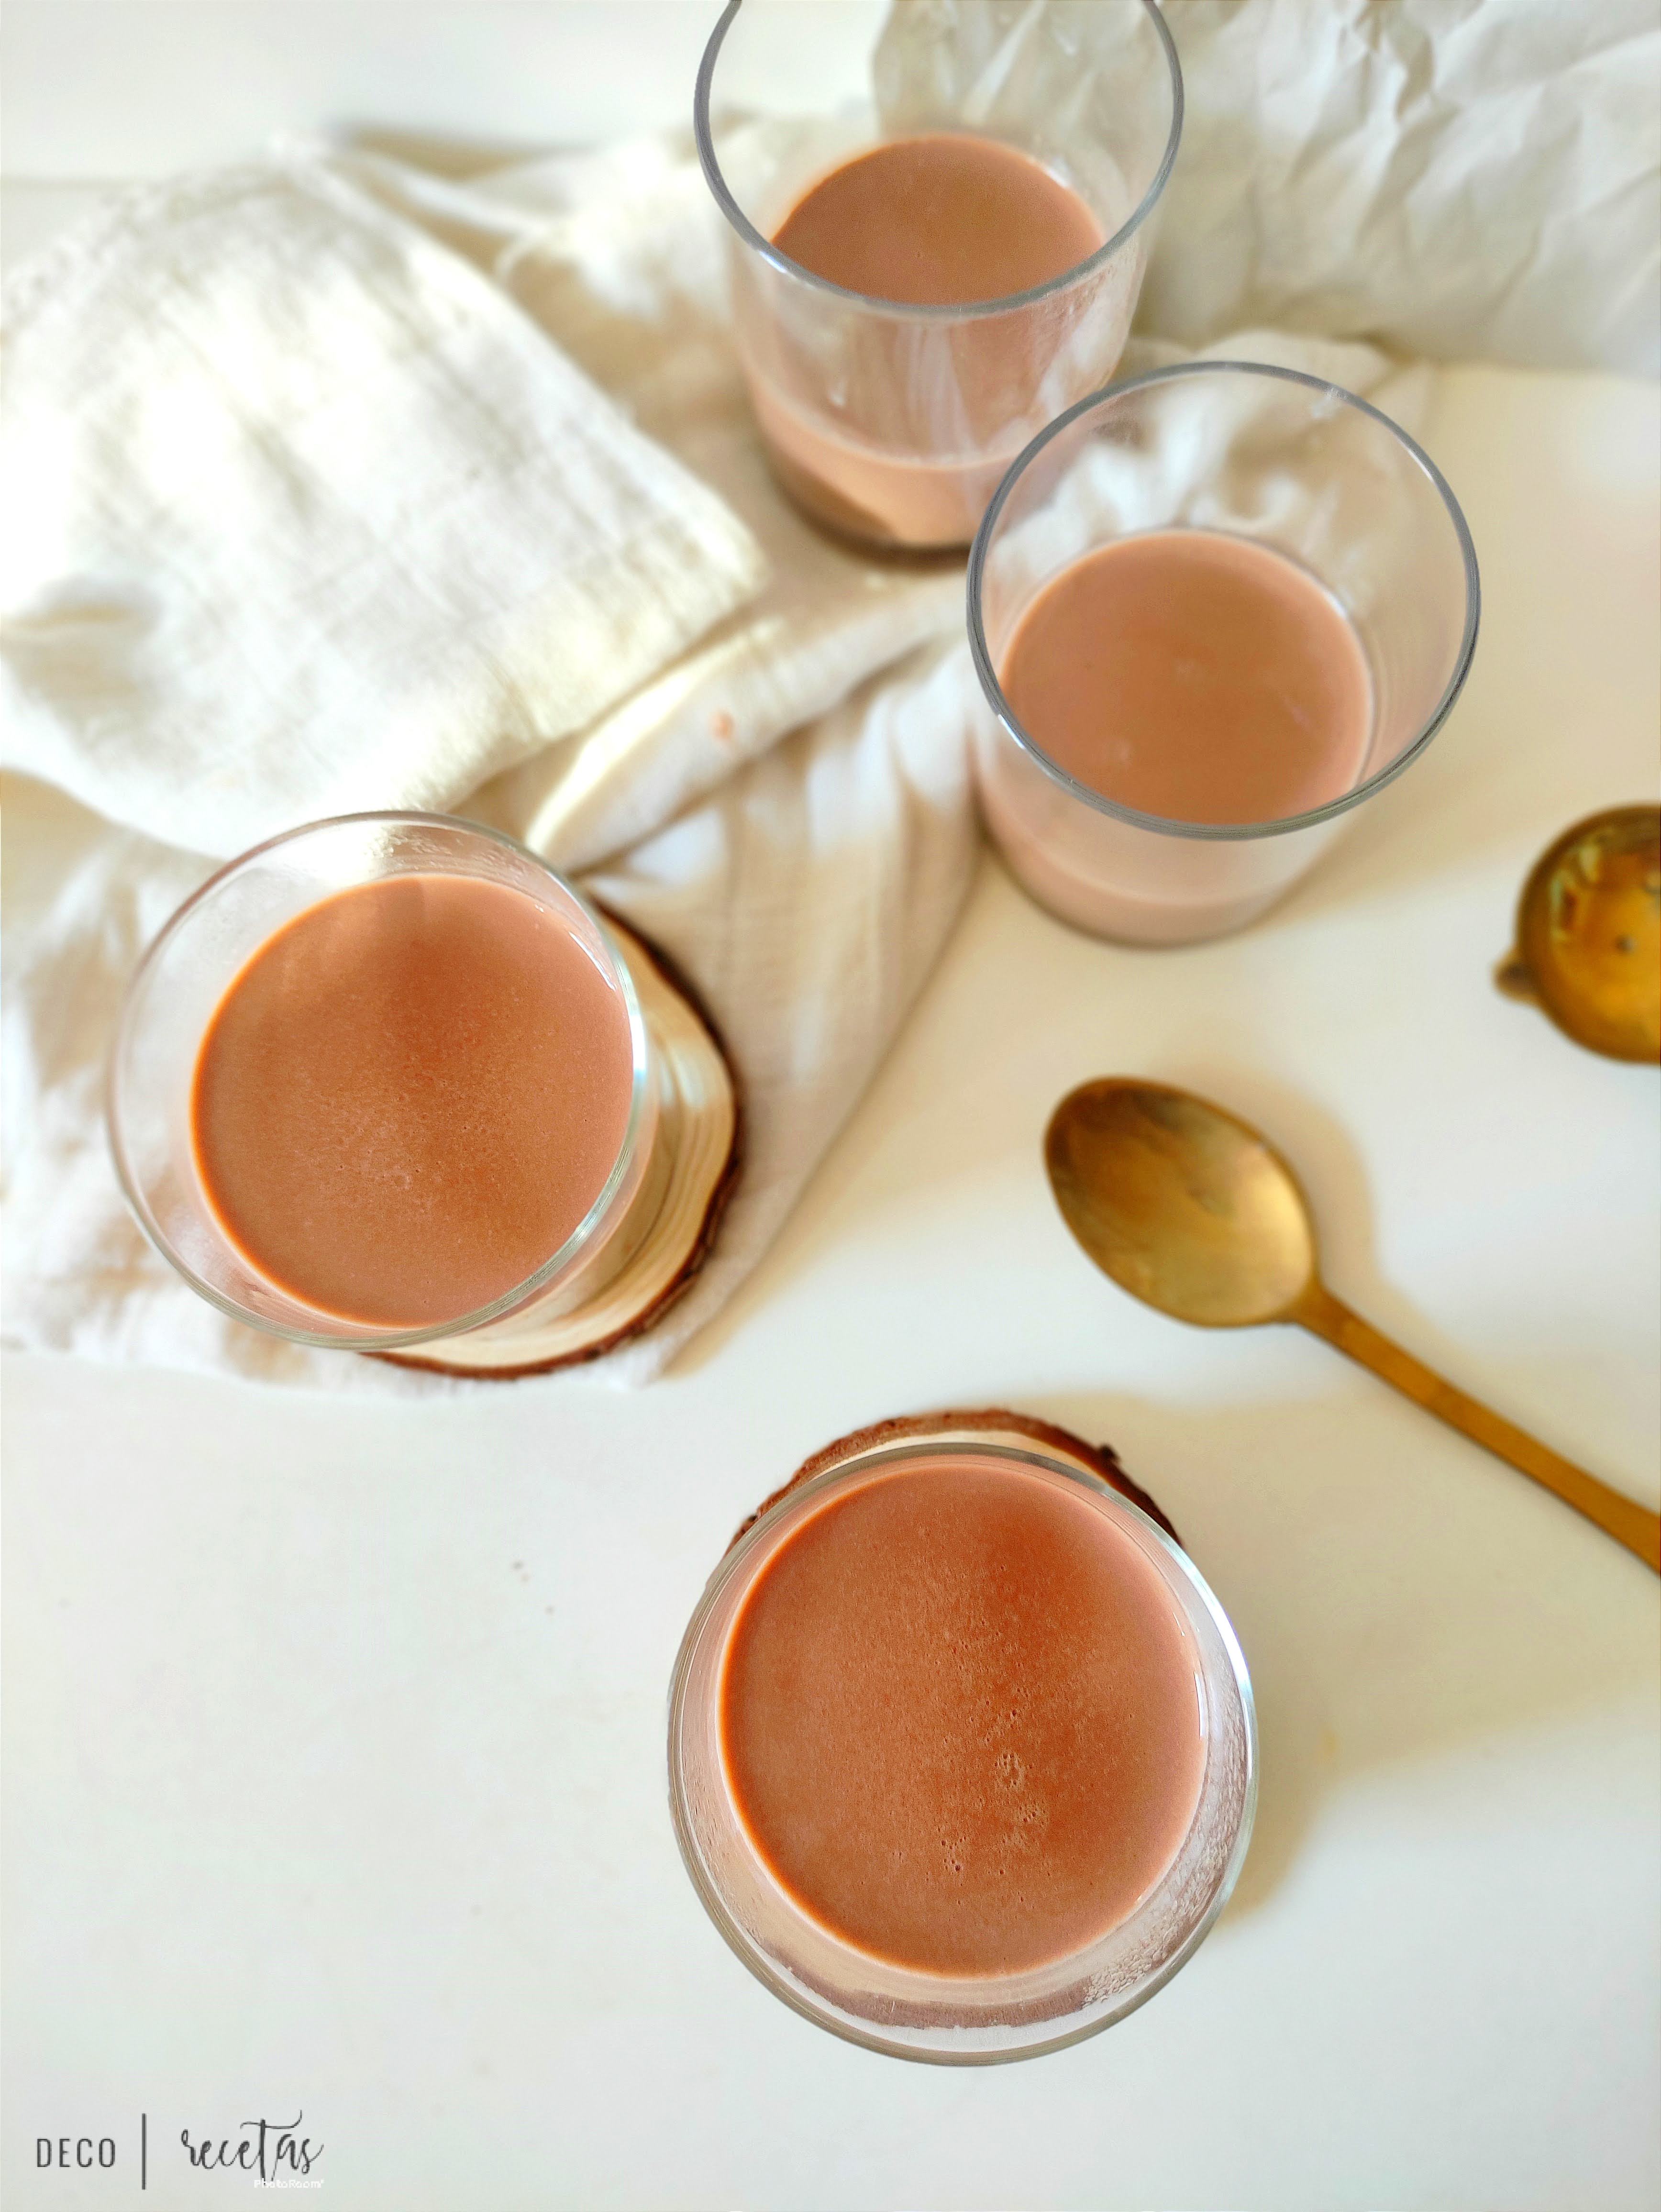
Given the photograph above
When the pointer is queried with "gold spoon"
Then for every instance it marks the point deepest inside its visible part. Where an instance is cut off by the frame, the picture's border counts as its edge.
(1589, 934)
(1190, 1210)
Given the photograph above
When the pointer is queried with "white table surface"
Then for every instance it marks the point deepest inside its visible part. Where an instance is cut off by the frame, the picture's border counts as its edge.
(335, 1731)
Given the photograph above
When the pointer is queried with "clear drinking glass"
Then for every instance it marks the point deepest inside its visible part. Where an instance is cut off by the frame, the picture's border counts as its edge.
(954, 2020)
(1269, 454)
(179, 984)
(890, 422)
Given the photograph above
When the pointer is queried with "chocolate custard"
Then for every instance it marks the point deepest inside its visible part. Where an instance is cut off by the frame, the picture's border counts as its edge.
(410, 1096)
(905, 432)
(939, 221)
(960, 1718)
(1195, 676)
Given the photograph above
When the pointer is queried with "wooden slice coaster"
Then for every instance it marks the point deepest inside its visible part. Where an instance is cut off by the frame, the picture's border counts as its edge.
(987, 1425)
(672, 1224)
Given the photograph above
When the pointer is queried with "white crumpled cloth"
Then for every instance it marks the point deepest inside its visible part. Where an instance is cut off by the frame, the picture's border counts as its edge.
(1460, 179)
(304, 512)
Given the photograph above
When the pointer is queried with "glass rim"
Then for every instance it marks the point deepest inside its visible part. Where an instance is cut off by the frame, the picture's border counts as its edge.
(1220, 832)
(355, 1336)
(1196, 1592)
(944, 311)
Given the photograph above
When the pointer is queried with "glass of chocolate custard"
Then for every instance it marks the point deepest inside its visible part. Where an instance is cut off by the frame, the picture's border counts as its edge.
(382, 1081)
(961, 1751)
(1214, 608)
(938, 228)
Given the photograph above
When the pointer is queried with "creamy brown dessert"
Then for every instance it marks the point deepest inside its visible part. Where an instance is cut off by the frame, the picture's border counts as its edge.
(1193, 675)
(902, 432)
(939, 220)
(410, 1096)
(959, 1718)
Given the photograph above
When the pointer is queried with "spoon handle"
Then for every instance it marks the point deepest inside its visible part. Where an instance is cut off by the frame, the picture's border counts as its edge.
(1629, 1524)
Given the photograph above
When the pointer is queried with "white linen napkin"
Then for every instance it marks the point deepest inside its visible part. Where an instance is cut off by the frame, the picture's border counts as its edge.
(307, 518)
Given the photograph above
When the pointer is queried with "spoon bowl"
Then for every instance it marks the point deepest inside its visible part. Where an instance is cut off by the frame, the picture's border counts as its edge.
(1183, 1204)
(1193, 1211)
